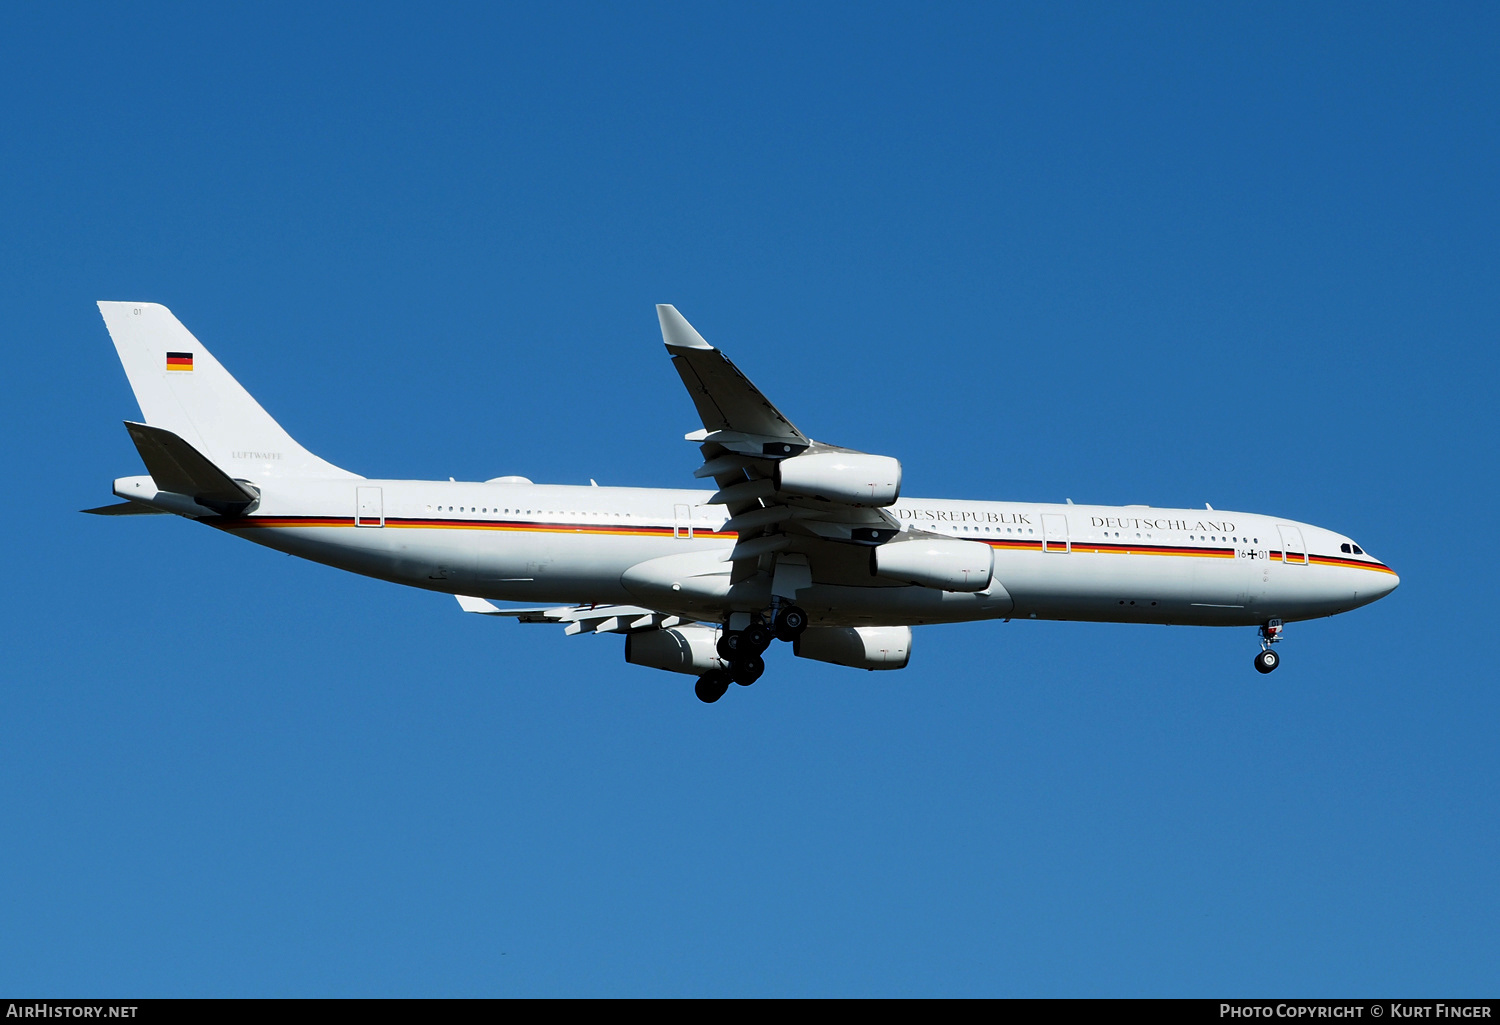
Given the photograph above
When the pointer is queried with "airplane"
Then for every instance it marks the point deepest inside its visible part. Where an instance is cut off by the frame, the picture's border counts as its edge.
(801, 542)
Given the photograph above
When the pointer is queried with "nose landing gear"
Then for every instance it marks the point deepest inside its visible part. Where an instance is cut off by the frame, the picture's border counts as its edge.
(1268, 660)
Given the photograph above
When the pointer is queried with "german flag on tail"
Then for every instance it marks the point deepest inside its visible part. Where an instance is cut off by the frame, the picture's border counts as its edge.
(179, 361)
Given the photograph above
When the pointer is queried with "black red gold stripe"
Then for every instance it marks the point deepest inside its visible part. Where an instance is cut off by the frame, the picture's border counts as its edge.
(648, 530)
(1098, 548)
(611, 530)
(179, 361)
(1295, 558)
(1336, 560)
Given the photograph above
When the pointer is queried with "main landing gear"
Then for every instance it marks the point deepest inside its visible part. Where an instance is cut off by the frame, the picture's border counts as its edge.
(712, 685)
(1268, 660)
(742, 650)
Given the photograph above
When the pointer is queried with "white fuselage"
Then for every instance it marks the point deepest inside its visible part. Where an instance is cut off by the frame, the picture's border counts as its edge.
(578, 545)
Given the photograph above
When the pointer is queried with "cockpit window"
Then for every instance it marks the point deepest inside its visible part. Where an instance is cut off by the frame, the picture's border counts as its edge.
(1358, 550)
(1345, 549)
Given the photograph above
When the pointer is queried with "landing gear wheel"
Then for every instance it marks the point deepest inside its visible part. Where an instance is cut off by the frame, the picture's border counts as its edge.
(790, 624)
(756, 637)
(711, 686)
(731, 643)
(747, 670)
(1267, 661)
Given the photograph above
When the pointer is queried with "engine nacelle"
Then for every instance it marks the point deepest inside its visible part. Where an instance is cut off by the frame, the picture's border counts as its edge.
(859, 647)
(682, 649)
(852, 478)
(945, 563)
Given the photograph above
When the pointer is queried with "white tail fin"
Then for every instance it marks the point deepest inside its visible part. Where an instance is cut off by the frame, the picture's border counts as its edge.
(182, 388)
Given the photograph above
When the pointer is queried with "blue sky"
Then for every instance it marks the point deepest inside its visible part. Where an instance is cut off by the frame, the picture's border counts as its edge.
(1166, 255)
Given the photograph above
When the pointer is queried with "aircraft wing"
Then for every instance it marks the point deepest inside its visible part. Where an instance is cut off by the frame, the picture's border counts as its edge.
(746, 441)
(730, 406)
(579, 619)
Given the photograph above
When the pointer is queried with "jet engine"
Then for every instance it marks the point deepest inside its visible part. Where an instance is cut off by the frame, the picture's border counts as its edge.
(852, 478)
(682, 649)
(859, 647)
(945, 563)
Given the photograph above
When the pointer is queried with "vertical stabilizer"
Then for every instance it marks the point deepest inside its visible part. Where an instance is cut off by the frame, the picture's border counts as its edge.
(183, 389)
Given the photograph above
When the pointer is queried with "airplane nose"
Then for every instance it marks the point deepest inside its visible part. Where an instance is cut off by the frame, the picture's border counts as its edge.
(1367, 590)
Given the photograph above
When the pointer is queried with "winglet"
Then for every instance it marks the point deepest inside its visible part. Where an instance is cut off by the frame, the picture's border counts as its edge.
(676, 331)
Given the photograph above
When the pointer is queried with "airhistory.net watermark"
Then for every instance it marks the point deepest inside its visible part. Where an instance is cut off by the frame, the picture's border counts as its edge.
(45, 1009)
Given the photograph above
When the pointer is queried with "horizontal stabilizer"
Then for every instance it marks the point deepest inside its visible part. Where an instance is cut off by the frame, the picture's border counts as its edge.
(127, 509)
(480, 606)
(178, 467)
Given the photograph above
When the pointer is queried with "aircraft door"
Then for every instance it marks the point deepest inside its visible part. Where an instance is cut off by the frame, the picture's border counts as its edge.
(1055, 533)
(1293, 551)
(682, 521)
(369, 508)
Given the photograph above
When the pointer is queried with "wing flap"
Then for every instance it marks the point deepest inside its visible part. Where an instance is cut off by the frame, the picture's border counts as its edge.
(579, 619)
